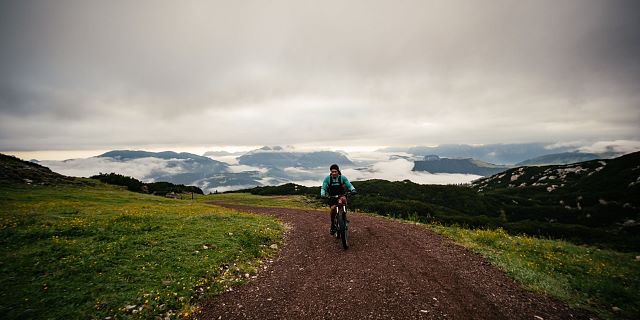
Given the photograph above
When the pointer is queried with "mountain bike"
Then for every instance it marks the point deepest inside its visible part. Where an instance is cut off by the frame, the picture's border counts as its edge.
(341, 222)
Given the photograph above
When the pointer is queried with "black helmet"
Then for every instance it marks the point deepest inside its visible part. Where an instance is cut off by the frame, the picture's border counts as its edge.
(335, 167)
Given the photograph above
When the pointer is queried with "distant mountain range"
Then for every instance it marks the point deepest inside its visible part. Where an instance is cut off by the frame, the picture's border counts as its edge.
(136, 154)
(274, 166)
(506, 154)
(188, 169)
(181, 168)
(435, 164)
(279, 158)
(565, 158)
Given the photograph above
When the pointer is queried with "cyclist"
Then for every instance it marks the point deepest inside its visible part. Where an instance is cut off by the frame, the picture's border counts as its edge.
(334, 185)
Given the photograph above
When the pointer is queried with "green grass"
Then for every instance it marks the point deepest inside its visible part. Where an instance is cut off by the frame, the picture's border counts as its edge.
(293, 201)
(96, 251)
(585, 277)
(82, 252)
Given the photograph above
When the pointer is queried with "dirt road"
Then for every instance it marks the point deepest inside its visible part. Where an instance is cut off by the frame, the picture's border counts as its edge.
(391, 271)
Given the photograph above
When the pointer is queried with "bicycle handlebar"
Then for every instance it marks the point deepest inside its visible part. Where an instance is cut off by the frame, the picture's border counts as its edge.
(348, 194)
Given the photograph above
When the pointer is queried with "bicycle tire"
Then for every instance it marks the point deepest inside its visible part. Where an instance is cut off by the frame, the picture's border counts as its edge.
(342, 228)
(336, 224)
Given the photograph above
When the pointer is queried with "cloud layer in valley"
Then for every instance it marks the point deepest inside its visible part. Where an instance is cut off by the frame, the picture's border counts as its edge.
(277, 165)
(142, 168)
(369, 166)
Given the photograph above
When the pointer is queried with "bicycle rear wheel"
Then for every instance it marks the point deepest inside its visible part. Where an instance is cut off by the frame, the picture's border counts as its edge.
(342, 228)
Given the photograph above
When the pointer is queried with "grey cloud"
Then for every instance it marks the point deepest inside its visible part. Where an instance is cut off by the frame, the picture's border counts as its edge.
(401, 169)
(619, 146)
(281, 72)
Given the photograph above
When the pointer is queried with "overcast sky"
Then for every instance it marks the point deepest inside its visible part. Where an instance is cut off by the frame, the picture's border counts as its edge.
(143, 74)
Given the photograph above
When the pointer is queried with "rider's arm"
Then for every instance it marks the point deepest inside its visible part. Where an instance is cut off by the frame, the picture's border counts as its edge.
(347, 183)
(325, 185)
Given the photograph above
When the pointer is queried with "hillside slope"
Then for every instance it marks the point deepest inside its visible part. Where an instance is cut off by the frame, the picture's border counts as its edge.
(595, 202)
(611, 182)
(14, 170)
(75, 248)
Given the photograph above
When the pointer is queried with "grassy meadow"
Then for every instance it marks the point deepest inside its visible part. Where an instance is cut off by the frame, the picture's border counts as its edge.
(94, 251)
(288, 201)
(99, 251)
(605, 282)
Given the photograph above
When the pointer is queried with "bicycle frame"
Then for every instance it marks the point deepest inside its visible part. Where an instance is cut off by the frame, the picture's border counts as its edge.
(341, 222)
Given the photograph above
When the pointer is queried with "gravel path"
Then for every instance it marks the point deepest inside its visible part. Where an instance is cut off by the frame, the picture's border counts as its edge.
(392, 270)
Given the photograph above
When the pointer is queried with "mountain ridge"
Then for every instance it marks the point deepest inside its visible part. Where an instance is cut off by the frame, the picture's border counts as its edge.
(565, 158)
(507, 154)
(282, 158)
(491, 153)
(435, 164)
(137, 154)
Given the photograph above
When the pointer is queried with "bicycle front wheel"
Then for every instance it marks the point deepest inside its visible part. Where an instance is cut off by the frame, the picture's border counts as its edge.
(336, 223)
(342, 228)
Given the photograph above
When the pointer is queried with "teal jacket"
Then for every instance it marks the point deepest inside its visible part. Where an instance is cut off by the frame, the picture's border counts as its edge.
(324, 190)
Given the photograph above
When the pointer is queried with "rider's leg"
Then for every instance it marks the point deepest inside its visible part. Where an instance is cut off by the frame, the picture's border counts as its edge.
(332, 215)
(343, 202)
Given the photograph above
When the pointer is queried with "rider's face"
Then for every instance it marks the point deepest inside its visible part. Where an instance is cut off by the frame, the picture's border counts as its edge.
(334, 173)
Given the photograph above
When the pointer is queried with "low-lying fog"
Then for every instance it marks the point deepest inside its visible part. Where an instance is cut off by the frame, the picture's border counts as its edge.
(367, 165)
